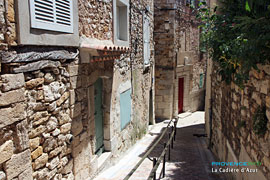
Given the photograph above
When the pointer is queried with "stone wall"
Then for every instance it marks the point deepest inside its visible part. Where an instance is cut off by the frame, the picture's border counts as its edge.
(164, 36)
(47, 125)
(233, 110)
(95, 19)
(177, 56)
(36, 123)
(129, 69)
(8, 33)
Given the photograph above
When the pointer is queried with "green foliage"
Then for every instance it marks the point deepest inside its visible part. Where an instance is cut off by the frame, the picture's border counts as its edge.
(242, 124)
(237, 37)
(260, 121)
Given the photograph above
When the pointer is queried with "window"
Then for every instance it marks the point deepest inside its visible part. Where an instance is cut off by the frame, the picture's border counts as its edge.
(121, 22)
(146, 41)
(125, 108)
(55, 15)
(48, 22)
(201, 80)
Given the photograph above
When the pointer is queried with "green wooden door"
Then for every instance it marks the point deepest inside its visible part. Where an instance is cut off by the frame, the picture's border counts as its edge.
(99, 117)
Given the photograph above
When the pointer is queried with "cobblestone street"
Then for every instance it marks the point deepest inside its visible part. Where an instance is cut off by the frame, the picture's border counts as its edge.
(190, 158)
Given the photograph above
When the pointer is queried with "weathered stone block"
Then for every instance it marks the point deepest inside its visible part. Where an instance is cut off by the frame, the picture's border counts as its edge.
(73, 70)
(52, 124)
(11, 12)
(18, 164)
(41, 174)
(12, 114)
(53, 163)
(34, 143)
(21, 139)
(40, 95)
(55, 152)
(267, 100)
(266, 69)
(49, 144)
(53, 91)
(76, 110)
(36, 153)
(26, 175)
(34, 83)
(41, 121)
(264, 87)
(51, 174)
(58, 177)
(68, 168)
(62, 98)
(37, 131)
(65, 128)
(11, 97)
(52, 106)
(80, 94)
(77, 126)
(75, 82)
(6, 151)
(63, 118)
(38, 115)
(49, 77)
(12, 81)
(256, 97)
(41, 161)
(72, 98)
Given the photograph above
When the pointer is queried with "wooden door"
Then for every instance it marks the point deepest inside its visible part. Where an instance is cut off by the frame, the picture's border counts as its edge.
(180, 94)
(99, 127)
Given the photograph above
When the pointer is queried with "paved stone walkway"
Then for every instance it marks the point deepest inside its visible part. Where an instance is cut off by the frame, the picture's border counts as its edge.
(190, 158)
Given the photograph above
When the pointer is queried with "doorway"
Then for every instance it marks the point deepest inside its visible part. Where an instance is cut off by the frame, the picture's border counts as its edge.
(180, 94)
(99, 122)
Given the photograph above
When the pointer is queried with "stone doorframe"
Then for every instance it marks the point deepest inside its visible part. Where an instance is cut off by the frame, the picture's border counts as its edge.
(106, 103)
(183, 72)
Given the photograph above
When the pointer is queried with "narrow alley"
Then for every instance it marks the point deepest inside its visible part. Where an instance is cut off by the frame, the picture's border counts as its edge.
(134, 90)
(190, 158)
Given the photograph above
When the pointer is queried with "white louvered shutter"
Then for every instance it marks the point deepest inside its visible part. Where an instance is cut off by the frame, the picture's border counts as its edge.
(146, 40)
(54, 15)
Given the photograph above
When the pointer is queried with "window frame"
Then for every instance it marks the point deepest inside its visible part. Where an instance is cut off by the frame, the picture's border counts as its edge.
(32, 36)
(118, 41)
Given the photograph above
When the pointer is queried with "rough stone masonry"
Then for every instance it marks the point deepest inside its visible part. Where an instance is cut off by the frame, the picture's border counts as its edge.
(47, 127)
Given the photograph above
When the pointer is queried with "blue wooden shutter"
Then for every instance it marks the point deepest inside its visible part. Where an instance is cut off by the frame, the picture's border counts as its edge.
(125, 108)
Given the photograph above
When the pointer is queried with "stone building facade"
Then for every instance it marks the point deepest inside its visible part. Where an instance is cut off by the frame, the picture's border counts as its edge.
(74, 98)
(230, 116)
(180, 68)
(234, 136)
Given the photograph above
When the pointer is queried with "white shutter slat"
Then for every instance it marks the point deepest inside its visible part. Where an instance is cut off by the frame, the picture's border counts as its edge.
(63, 12)
(63, 4)
(55, 15)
